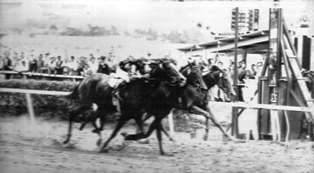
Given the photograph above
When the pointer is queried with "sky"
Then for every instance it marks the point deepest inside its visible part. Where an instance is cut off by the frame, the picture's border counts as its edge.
(158, 15)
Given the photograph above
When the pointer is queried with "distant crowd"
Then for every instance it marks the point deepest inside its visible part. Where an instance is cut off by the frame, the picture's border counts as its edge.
(57, 65)
(45, 63)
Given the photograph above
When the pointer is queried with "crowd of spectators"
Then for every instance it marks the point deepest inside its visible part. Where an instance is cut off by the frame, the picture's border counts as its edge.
(44, 63)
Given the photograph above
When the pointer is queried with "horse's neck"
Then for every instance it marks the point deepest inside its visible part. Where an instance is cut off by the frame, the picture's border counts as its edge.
(209, 80)
(171, 92)
(184, 69)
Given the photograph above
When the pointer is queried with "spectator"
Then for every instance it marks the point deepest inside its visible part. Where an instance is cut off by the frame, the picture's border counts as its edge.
(80, 65)
(46, 61)
(59, 66)
(149, 55)
(103, 67)
(242, 76)
(259, 68)
(66, 68)
(220, 64)
(22, 67)
(210, 63)
(52, 65)
(7, 65)
(33, 64)
(87, 71)
(22, 56)
(241, 72)
(1, 63)
(253, 68)
(93, 65)
(111, 57)
(91, 57)
(15, 59)
(41, 64)
(249, 75)
(73, 65)
(231, 70)
(16, 62)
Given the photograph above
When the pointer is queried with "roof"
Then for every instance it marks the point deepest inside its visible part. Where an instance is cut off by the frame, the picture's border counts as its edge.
(248, 40)
(190, 48)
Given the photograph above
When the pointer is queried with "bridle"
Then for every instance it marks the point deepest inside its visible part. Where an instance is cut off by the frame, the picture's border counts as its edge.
(195, 84)
(171, 80)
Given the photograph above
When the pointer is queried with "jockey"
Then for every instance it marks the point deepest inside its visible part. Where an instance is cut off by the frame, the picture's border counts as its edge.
(125, 72)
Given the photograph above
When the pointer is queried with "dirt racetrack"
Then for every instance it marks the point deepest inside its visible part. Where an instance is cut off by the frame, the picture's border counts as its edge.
(27, 147)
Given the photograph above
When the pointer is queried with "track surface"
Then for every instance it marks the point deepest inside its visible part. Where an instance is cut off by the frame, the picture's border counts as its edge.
(27, 147)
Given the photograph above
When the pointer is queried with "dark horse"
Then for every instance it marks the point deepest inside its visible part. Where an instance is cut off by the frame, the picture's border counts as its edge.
(195, 100)
(198, 102)
(95, 90)
(156, 101)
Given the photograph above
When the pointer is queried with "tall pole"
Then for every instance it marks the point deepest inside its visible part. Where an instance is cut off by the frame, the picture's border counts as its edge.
(235, 128)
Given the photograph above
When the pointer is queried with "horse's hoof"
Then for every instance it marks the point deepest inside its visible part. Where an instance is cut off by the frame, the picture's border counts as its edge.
(233, 139)
(167, 154)
(103, 151)
(205, 137)
(69, 146)
(124, 134)
(98, 143)
(95, 131)
(172, 140)
(65, 142)
(239, 141)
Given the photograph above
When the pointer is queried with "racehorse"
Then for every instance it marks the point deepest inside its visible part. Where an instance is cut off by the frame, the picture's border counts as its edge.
(199, 102)
(95, 91)
(156, 101)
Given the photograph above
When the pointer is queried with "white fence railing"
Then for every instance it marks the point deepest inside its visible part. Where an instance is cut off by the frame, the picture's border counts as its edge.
(30, 74)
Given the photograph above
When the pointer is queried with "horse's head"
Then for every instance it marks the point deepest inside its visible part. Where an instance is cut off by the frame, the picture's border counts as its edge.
(166, 71)
(223, 80)
(194, 76)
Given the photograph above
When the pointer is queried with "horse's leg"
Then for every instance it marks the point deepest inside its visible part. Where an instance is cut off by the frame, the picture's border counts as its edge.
(191, 130)
(198, 110)
(83, 125)
(140, 125)
(209, 115)
(159, 136)
(138, 136)
(101, 115)
(123, 119)
(72, 115)
(139, 122)
(205, 137)
(91, 118)
(167, 134)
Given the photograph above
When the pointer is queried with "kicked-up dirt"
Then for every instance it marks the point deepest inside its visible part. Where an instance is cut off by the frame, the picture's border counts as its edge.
(37, 147)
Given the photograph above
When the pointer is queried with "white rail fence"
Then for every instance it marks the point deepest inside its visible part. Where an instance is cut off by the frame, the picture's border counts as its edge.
(30, 74)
